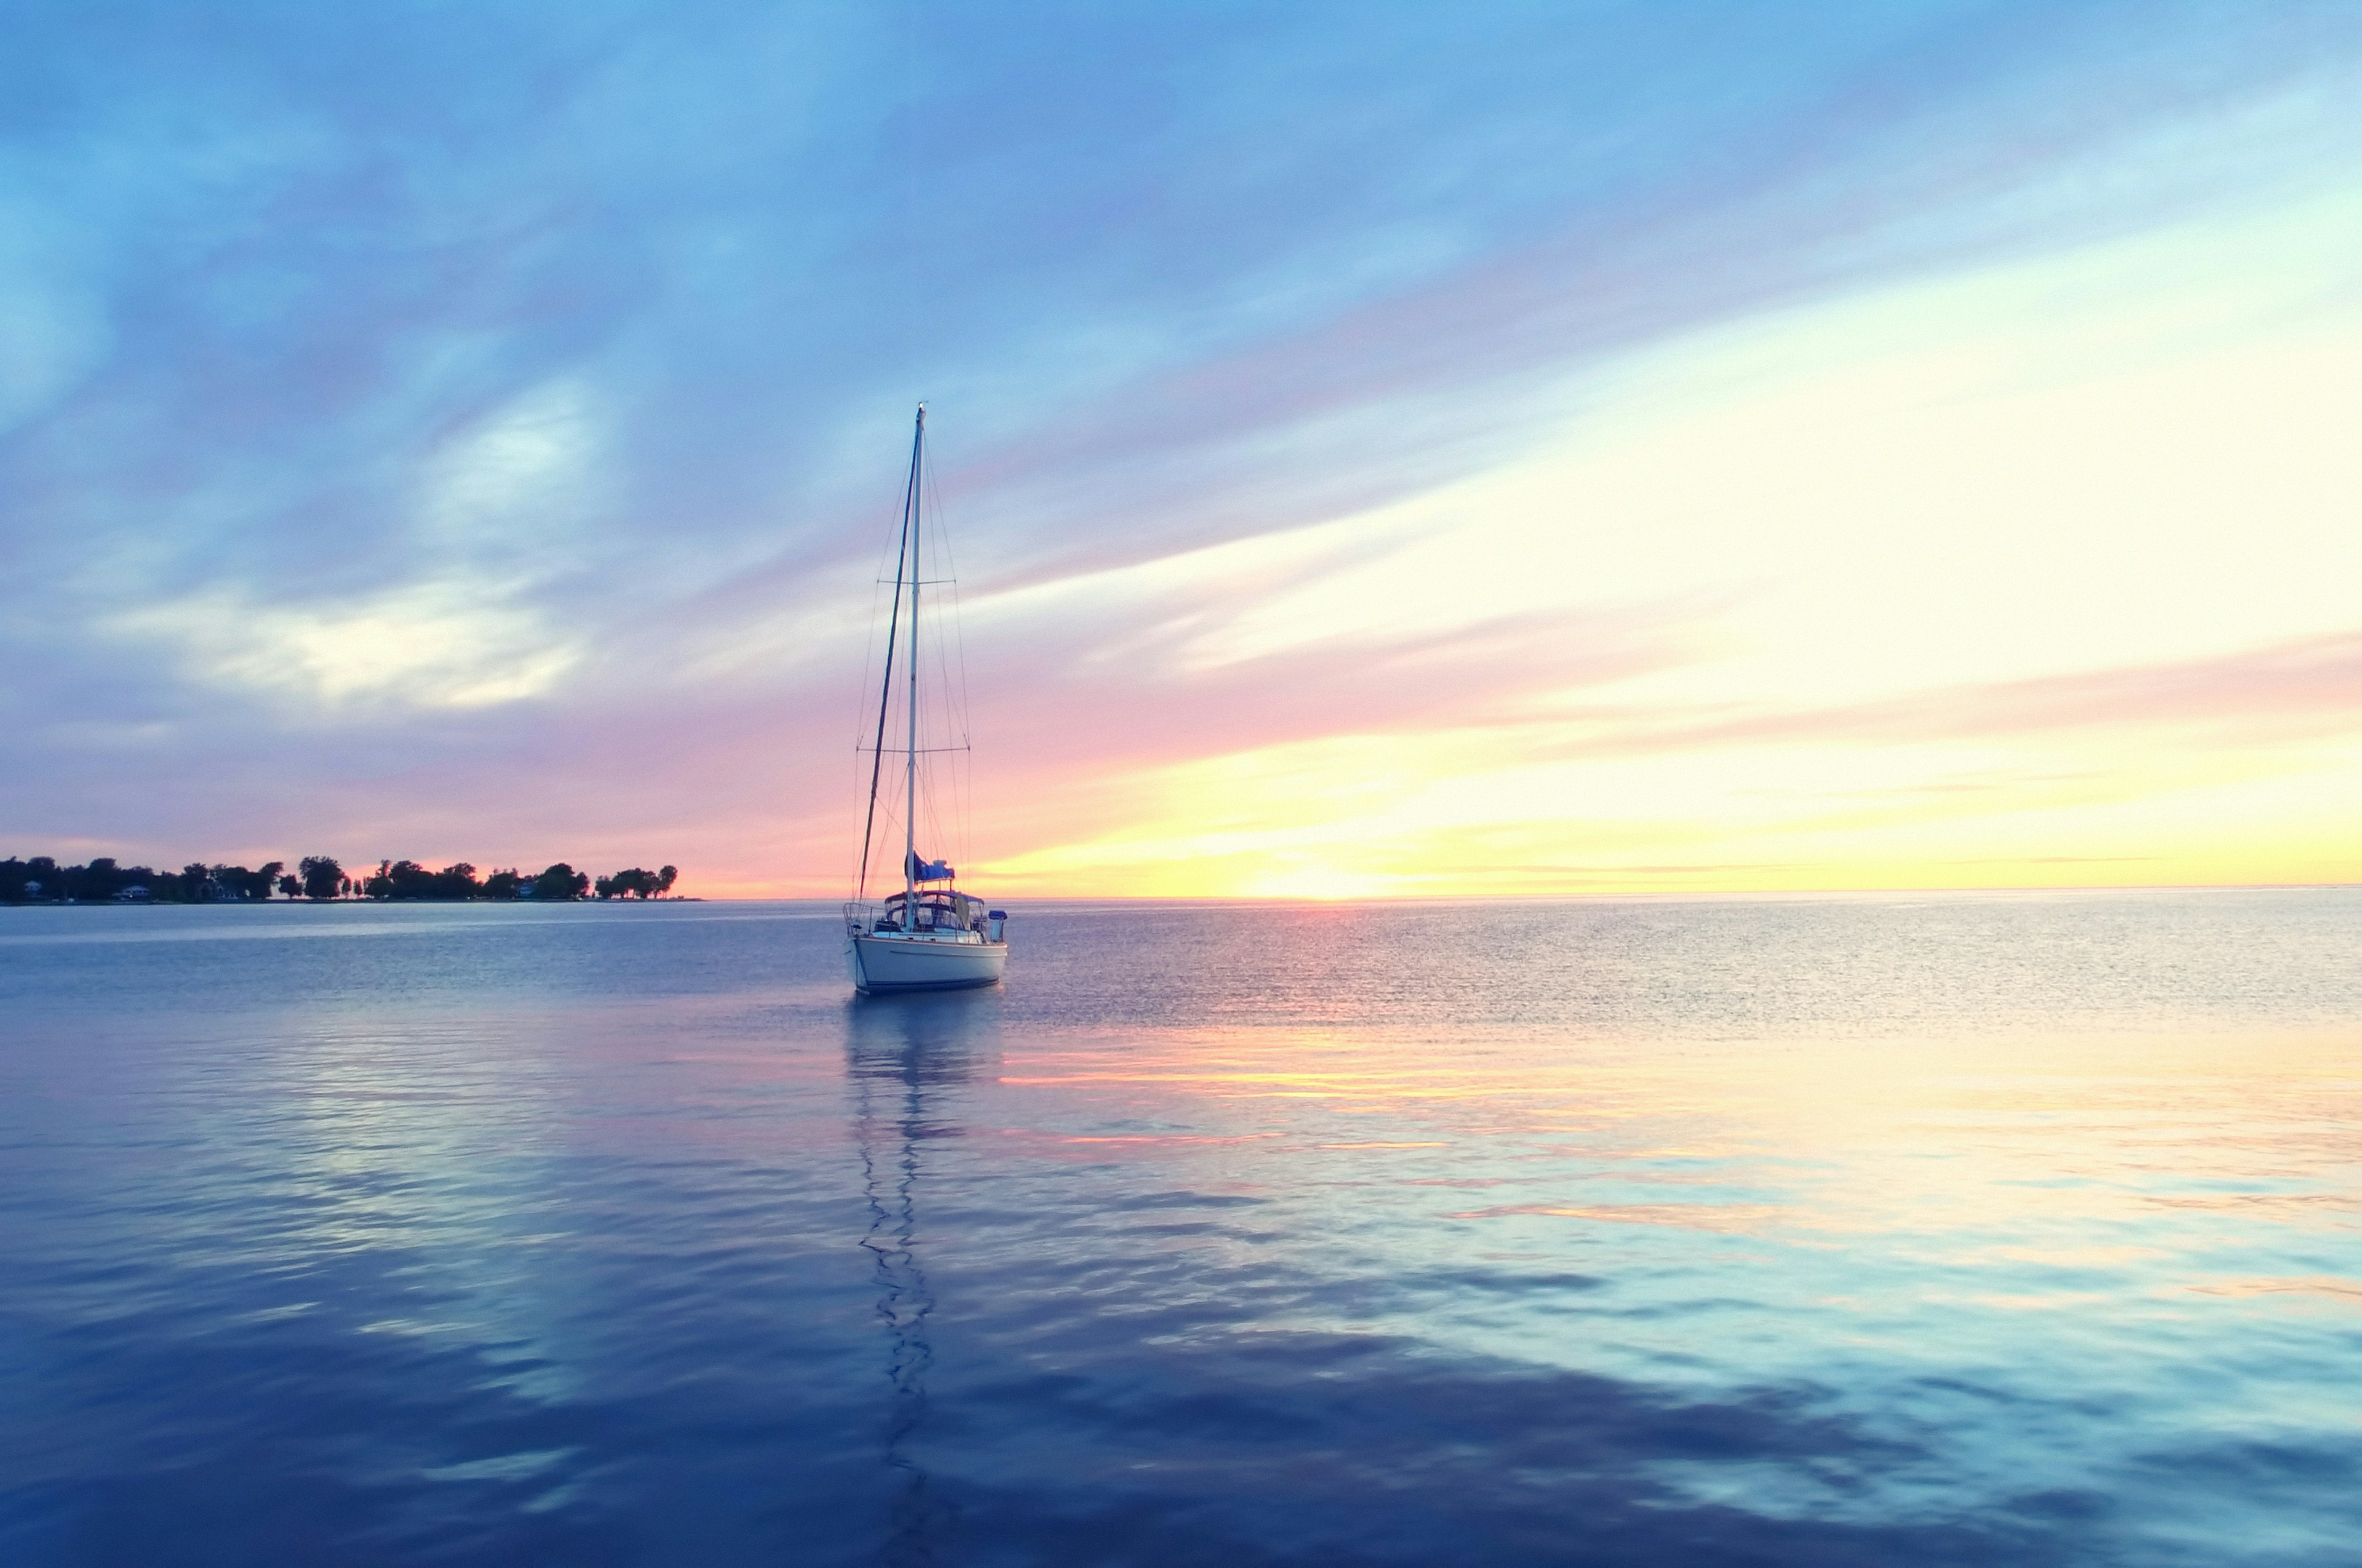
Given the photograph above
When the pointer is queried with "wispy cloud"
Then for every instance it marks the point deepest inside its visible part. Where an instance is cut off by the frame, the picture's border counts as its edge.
(390, 405)
(2306, 688)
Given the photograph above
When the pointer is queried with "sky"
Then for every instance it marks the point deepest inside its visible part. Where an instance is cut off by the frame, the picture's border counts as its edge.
(1388, 450)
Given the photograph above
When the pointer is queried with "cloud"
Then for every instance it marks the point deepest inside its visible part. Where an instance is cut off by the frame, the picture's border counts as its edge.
(2309, 687)
(517, 488)
(433, 645)
(1408, 398)
(54, 325)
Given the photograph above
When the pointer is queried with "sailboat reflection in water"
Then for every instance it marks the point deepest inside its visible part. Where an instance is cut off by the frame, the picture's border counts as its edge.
(930, 936)
(897, 1060)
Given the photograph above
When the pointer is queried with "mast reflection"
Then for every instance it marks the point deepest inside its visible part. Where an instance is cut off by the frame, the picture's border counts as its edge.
(902, 1055)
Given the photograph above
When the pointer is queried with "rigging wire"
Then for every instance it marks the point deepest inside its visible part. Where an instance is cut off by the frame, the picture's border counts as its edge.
(959, 738)
(860, 715)
(933, 772)
(877, 757)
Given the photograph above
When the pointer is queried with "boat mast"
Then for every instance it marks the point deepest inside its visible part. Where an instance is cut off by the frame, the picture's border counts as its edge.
(910, 763)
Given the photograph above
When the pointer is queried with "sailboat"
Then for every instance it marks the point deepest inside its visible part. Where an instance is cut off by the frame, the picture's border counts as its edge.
(930, 936)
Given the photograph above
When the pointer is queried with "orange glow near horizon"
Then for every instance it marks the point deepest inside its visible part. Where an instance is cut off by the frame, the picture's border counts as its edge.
(2035, 576)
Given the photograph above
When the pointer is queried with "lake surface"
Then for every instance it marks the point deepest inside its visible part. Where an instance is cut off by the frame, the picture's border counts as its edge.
(1930, 1229)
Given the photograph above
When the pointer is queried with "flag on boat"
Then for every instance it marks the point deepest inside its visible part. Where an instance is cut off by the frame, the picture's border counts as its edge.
(929, 870)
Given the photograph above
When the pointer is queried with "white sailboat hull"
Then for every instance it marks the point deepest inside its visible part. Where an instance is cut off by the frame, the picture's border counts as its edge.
(888, 962)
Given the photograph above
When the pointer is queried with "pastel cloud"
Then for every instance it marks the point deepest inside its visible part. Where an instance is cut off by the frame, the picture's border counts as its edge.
(1387, 451)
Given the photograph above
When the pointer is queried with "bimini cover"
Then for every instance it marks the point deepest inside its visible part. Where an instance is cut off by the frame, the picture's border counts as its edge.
(929, 870)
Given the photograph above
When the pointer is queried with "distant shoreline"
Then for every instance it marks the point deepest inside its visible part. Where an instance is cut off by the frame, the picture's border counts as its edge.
(300, 902)
(320, 879)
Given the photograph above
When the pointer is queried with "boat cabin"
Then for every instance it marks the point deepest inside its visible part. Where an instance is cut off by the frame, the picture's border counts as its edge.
(938, 910)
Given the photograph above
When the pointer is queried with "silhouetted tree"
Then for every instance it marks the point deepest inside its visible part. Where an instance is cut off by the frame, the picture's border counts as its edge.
(42, 879)
(635, 883)
(91, 884)
(318, 877)
(409, 880)
(244, 886)
(454, 882)
(561, 881)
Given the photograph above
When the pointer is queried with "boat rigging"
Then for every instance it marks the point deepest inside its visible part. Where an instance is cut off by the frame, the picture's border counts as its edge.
(930, 936)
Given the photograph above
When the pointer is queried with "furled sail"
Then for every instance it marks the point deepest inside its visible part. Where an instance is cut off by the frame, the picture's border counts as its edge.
(922, 870)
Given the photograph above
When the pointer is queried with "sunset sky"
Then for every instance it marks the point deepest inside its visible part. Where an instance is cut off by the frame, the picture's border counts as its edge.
(1390, 449)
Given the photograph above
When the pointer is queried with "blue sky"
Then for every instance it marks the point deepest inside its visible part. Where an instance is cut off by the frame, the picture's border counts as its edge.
(465, 431)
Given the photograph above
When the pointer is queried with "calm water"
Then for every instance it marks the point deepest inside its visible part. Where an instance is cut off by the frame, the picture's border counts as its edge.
(1972, 1230)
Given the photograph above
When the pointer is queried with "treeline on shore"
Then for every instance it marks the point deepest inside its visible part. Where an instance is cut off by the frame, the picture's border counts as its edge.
(318, 878)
